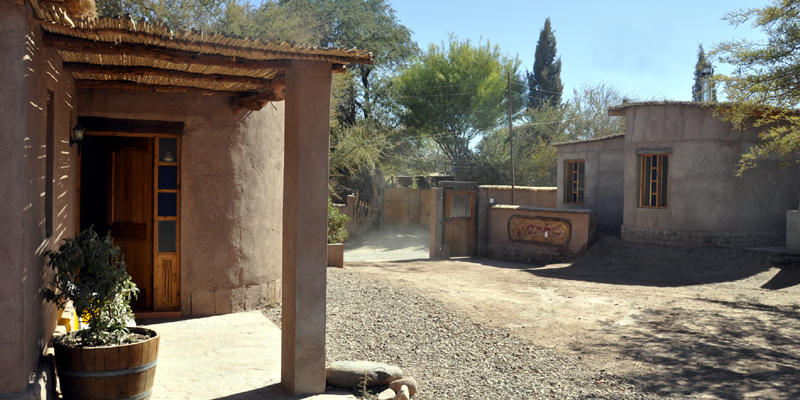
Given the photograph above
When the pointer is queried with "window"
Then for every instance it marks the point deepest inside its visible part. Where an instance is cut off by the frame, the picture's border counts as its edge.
(653, 184)
(460, 206)
(573, 192)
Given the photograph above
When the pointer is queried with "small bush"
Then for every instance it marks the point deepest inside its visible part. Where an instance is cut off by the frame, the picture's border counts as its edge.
(91, 272)
(336, 220)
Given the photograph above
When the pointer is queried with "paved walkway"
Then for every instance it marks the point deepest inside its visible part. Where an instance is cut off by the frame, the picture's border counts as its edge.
(233, 357)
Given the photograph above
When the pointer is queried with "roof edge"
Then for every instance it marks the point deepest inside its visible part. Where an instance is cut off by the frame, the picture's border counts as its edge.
(600, 139)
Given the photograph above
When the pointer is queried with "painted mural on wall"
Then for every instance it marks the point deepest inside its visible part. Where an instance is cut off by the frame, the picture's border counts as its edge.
(553, 231)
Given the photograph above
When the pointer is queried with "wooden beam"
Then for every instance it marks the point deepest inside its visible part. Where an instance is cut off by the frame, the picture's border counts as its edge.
(77, 45)
(254, 103)
(338, 68)
(128, 85)
(83, 68)
(100, 124)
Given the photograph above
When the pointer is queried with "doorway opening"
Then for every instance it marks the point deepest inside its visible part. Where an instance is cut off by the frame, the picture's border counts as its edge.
(130, 186)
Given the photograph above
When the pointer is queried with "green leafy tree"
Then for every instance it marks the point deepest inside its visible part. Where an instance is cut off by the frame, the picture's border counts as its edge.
(535, 161)
(763, 88)
(544, 82)
(587, 116)
(364, 24)
(704, 88)
(176, 14)
(363, 110)
(455, 93)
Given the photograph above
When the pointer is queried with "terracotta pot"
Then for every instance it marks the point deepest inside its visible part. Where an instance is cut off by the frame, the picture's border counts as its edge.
(108, 372)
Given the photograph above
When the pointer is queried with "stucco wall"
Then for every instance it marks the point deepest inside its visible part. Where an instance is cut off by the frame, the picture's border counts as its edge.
(604, 179)
(231, 194)
(26, 74)
(544, 197)
(704, 194)
(501, 246)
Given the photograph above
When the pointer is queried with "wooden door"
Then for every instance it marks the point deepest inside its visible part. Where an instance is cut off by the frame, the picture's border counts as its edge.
(131, 210)
(459, 225)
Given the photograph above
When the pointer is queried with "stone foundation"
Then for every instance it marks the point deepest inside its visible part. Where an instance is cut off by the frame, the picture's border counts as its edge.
(609, 229)
(217, 301)
(689, 238)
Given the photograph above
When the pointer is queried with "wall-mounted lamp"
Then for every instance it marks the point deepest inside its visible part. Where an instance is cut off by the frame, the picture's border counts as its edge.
(76, 136)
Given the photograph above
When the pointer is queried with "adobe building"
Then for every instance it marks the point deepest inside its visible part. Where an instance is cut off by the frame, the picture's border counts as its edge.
(590, 176)
(670, 179)
(205, 156)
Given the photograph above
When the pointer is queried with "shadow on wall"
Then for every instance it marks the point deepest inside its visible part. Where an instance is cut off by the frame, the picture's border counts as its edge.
(616, 262)
(720, 355)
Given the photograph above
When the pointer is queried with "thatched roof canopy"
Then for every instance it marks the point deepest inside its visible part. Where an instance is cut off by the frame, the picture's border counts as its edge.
(139, 55)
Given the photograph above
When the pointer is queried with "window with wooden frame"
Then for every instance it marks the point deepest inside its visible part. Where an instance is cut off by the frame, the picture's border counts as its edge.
(654, 180)
(573, 187)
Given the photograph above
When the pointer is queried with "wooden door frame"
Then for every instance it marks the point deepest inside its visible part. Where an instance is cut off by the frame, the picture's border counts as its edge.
(171, 134)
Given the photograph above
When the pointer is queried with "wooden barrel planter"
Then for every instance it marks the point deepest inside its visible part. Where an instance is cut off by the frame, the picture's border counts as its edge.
(109, 372)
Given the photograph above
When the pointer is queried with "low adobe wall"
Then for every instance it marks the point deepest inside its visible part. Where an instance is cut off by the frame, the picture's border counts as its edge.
(406, 207)
(544, 197)
(532, 234)
(488, 195)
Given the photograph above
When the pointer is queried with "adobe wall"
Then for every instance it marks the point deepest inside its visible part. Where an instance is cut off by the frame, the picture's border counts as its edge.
(488, 195)
(531, 235)
(544, 197)
(604, 178)
(231, 194)
(406, 207)
(705, 196)
(27, 74)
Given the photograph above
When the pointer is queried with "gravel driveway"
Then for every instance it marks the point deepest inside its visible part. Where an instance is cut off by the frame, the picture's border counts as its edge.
(625, 321)
(451, 357)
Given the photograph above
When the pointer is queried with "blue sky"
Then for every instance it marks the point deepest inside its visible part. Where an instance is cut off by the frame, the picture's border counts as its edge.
(645, 49)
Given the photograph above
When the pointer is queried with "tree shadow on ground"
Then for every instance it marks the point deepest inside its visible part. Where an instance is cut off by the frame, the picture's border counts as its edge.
(725, 351)
(613, 261)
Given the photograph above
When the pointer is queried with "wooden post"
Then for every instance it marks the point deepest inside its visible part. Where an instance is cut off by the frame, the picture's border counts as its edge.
(511, 140)
(305, 221)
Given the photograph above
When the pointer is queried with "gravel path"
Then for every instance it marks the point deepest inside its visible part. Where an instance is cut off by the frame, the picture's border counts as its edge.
(450, 356)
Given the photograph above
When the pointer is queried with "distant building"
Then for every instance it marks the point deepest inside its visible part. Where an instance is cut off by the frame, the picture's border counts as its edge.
(670, 179)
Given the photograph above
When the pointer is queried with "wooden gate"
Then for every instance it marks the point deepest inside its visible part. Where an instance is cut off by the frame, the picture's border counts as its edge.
(459, 219)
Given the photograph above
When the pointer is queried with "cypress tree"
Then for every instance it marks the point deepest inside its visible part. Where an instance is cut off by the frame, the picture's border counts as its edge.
(544, 82)
(703, 71)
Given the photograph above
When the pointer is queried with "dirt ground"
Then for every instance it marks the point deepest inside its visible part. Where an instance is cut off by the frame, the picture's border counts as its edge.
(684, 322)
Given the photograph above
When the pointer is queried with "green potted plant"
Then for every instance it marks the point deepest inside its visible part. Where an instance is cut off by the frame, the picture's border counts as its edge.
(337, 234)
(107, 356)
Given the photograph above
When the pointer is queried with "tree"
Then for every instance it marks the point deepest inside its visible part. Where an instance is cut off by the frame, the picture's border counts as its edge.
(176, 14)
(535, 161)
(587, 116)
(544, 82)
(455, 93)
(704, 88)
(764, 86)
(364, 24)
